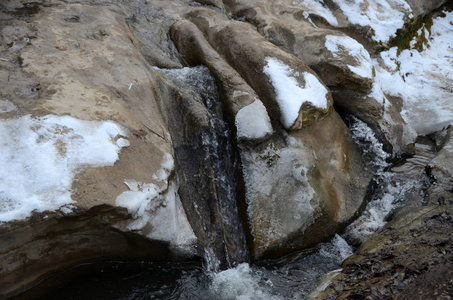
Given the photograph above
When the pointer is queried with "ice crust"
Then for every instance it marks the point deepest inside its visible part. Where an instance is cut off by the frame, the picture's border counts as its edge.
(290, 96)
(39, 158)
(364, 65)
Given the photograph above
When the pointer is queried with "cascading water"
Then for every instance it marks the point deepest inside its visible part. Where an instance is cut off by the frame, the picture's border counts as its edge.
(391, 188)
(216, 153)
(291, 277)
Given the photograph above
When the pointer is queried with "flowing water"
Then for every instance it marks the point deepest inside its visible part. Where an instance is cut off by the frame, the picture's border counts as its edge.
(291, 277)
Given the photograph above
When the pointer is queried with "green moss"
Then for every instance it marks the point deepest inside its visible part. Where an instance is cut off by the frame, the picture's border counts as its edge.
(410, 32)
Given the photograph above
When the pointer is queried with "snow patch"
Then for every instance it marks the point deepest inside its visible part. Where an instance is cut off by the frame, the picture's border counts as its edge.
(385, 17)
(290, 96)
(252, 121)
(423, 79)
(345, 44)
(319, 8)
(40, 157)
(157, 210)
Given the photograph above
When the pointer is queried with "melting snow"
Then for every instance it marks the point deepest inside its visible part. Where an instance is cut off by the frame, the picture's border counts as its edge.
(39, 158)
(290, 96)
(345, 44)
(252, 121)
(319, 8)
(423, 79)
(158, 210)
(385, 17)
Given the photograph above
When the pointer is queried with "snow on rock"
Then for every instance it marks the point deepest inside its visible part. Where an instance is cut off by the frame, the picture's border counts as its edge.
(364, 66)
(423, 79)
(252, 121)
(158, 211)
(385, 17)
(39, 158)
(290, 96)
(319, 8)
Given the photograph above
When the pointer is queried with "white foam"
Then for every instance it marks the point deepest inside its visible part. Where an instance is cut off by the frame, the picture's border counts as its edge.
(252, 121)
(363, 64)
(290, 96)
(39, 158)
(241, 283)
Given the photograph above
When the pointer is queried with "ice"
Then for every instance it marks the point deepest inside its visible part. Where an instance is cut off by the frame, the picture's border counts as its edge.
(157, 209)
(252, 121)
(7, 106)
(423, 79)
(345, 44)
(385, 17)
(319, 8)
(290, 96)
(39, 158)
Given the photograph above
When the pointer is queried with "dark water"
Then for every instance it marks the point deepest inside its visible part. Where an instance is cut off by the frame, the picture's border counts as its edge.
(292, 277)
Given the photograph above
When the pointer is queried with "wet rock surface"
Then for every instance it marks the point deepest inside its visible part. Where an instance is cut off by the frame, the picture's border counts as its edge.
(211, 154)
(411, 257)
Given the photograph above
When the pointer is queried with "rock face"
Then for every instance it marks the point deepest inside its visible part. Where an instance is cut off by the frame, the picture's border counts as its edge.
(411, 257)
(162, 128)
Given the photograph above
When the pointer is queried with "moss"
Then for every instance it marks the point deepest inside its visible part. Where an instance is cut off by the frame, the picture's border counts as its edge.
(410, 31)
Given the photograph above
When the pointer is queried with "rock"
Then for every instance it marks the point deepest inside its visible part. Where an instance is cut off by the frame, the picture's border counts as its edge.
(70, 61)
(440, 169)
(192, 123)
(422, 8)
(412, 255)
(342, 62)
(245, 50)
(298, 190)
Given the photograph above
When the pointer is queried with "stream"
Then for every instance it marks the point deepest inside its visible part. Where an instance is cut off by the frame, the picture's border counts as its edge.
(291, 277)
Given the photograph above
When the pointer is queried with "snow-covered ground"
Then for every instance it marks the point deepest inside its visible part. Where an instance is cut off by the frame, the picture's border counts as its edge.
(39, 158)
(385, 17)
(424, 80)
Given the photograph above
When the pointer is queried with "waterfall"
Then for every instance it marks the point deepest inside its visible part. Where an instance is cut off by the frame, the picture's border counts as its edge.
(209, 164)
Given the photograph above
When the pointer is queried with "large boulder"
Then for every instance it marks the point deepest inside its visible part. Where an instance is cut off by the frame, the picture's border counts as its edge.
(310, 31)
(295, 183)
(411, 257)
(87, 167)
